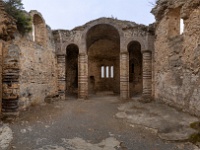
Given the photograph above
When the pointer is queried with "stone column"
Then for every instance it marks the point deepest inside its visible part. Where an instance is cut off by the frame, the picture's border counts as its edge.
(124, 76)
(61, 60)
(10, 81)
(83, 76)
(1, 72)
(147, 76)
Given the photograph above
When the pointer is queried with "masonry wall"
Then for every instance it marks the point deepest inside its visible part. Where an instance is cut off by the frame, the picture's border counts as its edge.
(94, 53)
(177, 57)
(103, 53)
(29, 72)
(38, 73)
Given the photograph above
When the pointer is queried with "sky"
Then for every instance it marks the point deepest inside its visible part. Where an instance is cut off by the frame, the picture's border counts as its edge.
(68, 14)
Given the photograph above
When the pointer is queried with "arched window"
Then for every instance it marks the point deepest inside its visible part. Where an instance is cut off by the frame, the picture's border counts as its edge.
(39, 30)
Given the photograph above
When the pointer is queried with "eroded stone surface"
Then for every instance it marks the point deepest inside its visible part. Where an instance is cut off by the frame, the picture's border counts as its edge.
(89, 124)
(169, 123)
(81, 144)
(177, 63)
(6, 137)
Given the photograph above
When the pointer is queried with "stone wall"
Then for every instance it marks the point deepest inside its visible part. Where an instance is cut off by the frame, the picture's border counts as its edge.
(38, 76)
(100, 42)
(7, 24)
(177, 56)
(9, 88)
(29, 70)
(10, 78)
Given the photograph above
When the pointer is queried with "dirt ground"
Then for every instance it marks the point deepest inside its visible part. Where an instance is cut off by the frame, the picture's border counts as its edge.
(84, 125)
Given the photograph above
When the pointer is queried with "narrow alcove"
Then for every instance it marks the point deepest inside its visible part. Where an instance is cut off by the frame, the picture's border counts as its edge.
(72, 52)
(135, 68)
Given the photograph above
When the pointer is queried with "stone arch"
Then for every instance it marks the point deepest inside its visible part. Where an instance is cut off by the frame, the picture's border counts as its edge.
(65, 45)
(143, 42)
(103, 50)
(135, 68)
(38, 28)
(72, 52)
(101, 21)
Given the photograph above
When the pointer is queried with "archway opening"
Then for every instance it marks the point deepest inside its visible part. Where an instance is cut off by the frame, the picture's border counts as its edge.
(38, 30)
(72, 52)
(135, 68)
(103, 45)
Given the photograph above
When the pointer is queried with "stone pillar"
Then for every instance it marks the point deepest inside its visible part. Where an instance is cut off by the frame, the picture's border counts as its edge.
(10, 81)
(124, 76)
(1, 72)
(83, 76)
(147, 76)
(61, 60)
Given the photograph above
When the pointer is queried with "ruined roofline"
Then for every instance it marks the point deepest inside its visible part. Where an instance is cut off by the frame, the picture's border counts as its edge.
(125, 25)
(164, 6)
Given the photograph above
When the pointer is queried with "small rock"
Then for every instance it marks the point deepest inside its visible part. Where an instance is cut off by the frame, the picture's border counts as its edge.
(23, 130)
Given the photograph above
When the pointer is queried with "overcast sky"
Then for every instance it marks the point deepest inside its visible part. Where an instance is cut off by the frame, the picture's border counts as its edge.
(67, 14)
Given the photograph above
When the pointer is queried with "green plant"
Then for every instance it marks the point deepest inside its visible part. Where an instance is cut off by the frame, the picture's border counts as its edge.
(15, 9)
(195, 138)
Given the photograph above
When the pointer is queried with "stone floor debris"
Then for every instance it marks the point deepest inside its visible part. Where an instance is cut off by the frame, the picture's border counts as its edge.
(169, 123)
(92, 125)
(6, 136)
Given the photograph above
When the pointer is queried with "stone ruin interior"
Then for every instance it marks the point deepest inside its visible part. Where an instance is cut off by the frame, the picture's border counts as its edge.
(156, 62)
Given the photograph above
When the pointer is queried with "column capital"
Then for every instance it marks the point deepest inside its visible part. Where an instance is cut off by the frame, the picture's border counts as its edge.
(121, 53)
(82, 54)
(146, 51)
(60, 55)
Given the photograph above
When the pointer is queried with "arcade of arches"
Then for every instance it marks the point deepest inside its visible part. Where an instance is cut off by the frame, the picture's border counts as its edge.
(104, 57)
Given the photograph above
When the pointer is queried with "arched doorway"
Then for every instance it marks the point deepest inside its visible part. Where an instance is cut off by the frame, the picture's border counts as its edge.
(72, 52)
(135, 68)
(103, 47)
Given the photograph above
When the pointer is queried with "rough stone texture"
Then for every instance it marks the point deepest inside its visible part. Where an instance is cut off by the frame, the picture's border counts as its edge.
(29, 68)
(38, 73)
(80, 144)
(61, 75)
(10, 78)
(87, 125)
(1, 69)
(6, 137)
(7, 29)
(167, 122)
(103, 42)
(177, 57)
(7, 24)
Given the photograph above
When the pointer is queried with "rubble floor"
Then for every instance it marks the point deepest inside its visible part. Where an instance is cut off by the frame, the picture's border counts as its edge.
(91, 124)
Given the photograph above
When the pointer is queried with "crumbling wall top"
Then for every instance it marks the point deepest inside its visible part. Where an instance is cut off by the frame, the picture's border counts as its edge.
(7, 24)
(163, 7)
(35, 12)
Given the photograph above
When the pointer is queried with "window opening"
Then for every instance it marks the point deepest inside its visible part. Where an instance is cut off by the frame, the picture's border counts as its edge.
(107, 71)
(181, 26)
(102, 72)
(112, 71)
(33, 32)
